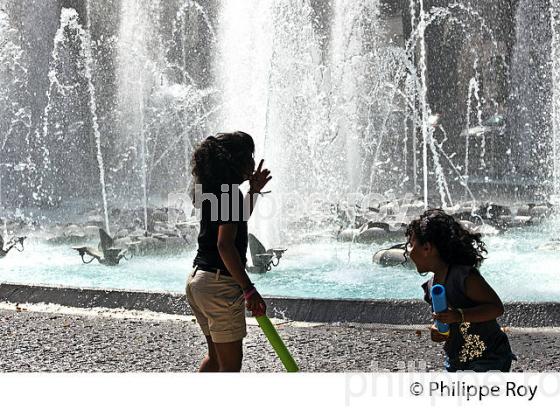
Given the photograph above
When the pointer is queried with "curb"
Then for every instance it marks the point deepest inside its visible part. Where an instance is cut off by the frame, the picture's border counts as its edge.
(390, 311)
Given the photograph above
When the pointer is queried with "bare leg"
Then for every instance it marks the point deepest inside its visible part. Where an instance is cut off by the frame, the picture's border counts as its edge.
(210, 362)
(230, 356)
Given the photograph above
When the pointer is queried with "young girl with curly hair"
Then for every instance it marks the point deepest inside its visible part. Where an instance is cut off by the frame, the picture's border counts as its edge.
(437, 243)
(218, 288)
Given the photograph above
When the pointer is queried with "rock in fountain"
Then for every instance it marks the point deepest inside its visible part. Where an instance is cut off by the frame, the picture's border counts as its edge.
(164, 236)
(155, 244)
(372, 232)
(486, 230)
(553, 245)
(348, 234)
(393, 256)
(68, 234)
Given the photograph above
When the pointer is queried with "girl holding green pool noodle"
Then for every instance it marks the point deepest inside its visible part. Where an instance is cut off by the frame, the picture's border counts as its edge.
(218, 288)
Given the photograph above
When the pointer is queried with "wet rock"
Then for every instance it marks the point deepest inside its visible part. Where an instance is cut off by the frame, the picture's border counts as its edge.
(486, 230)
(398, 228)
(505, 221)
(348, 235)
(523, 210)
(122, 233)
(91, 231)
(415, 209)
(96, 220)
(492, 211)
(137, 233)
(157, 244)
(392, 257)
(70, 234)
(466, 207)
(167, 229)
(468, 225)
(159, 216)
(371, 235)
(553, 245)
(389, 209)
(540, 211)
(521, 220)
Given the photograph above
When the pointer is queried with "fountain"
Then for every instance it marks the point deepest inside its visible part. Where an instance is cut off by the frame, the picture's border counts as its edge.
(71, 31)
(530, 110)
(555, 45)
(366, 111)
(15, 112)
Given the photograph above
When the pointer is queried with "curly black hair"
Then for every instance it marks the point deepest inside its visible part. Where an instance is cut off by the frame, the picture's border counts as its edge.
(222, 159)
(455, 244)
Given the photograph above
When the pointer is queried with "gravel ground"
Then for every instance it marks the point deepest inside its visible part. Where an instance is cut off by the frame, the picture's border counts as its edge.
(43, 340)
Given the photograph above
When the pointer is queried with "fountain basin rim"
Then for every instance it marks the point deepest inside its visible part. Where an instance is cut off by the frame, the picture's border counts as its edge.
(374, 311)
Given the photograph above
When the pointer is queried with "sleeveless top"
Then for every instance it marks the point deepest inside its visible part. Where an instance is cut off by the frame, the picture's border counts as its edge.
(230, 209)
(468, 341)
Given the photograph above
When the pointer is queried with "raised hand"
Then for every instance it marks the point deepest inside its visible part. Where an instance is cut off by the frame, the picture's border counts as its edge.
(259, 179)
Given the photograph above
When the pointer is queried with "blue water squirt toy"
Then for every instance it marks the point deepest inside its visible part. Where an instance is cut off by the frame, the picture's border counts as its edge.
(439, 304)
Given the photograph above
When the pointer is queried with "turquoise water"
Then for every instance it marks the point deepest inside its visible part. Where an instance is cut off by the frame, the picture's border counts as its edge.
(328, 269)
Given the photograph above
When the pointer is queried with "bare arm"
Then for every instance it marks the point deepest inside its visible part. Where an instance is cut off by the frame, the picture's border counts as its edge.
(489, 306)
(230, 256)
(232, 260)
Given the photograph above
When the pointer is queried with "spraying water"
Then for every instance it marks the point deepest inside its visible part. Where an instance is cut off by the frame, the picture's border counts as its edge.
(243, 64)
(87, 51)
(530, 113)
(555, 46)
(474, 93)
(15, 114)
(424, 100)
(275, 69)
(68, 131)
(353, 53)
(138, 74)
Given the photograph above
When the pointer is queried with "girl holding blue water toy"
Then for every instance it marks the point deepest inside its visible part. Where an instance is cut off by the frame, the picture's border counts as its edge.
(437, 243)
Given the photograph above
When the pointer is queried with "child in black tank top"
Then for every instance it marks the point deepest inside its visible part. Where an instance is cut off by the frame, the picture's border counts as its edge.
(439, 244)
(218, 288)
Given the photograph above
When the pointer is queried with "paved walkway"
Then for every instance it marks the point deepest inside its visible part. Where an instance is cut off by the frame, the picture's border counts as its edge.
(57, 339)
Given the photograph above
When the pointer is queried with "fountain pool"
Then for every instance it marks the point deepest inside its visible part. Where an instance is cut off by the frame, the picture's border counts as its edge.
(325, 269)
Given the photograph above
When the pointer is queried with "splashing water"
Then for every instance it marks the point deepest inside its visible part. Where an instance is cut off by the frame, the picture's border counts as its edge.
(71, 41)
(555, 28)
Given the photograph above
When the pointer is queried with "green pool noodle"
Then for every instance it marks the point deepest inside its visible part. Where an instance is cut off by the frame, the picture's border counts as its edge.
(277, 343)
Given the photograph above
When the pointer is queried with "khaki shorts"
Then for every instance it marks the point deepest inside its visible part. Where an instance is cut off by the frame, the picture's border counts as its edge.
(218, 305)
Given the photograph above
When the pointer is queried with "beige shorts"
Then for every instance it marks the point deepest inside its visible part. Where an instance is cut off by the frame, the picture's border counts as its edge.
(218, 305)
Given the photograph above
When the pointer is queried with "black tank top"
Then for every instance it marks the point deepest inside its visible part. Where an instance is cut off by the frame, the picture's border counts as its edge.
(468, 341)
(230, 210)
